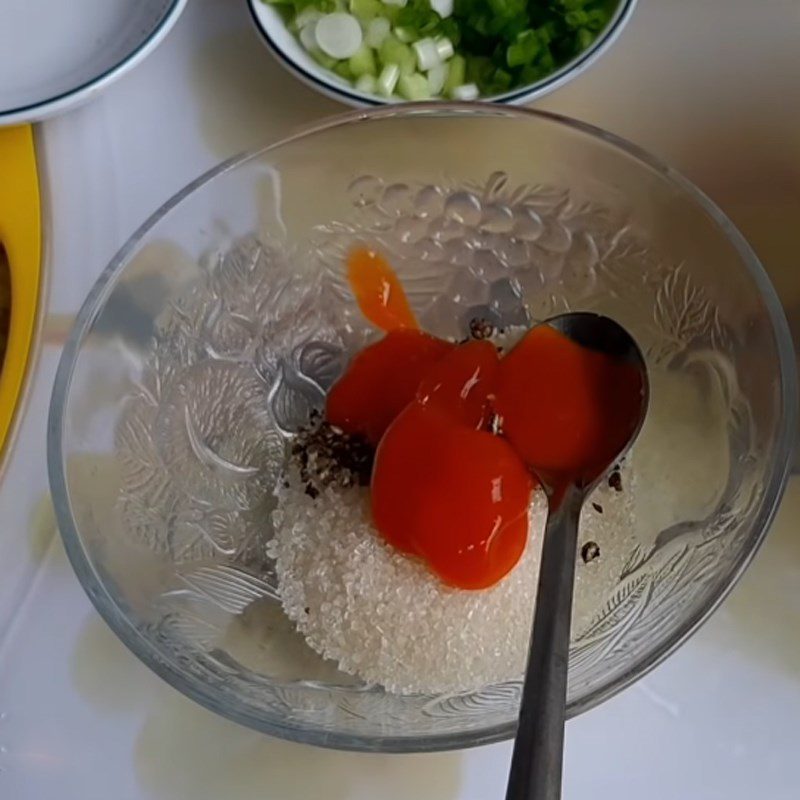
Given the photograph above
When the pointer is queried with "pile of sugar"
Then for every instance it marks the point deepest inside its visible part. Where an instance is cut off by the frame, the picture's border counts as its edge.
(384, 617)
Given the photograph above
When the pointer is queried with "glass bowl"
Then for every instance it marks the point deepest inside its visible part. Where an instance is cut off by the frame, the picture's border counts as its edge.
(217, 328)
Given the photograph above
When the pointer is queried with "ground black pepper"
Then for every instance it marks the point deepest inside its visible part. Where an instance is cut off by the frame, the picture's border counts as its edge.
(597, 507)
(327, 456)
(590, 551)
(480, 328)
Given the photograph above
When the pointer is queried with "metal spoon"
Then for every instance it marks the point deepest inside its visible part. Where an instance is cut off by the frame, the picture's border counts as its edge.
(536, 763)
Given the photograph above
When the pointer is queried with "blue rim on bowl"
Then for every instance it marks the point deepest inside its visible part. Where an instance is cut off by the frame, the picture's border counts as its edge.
(62, 101)
(267, 21)
(169, 669)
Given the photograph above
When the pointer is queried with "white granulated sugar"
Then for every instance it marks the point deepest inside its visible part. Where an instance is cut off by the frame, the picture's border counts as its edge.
(384, 617)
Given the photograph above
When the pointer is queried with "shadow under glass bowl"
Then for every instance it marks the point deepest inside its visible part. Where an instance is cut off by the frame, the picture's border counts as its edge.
(217, 328)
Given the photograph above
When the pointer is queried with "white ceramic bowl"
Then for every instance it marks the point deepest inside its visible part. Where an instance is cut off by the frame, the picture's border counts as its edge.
(56, 55)
(289, 52)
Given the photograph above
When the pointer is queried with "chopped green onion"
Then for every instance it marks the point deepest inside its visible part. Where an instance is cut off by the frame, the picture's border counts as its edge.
(467, 91)
(436, 79)
(494, 45)
(414, 87)
(445, 48)
(575, 19)
(363, 62)
(547, 62)
(365, 10)
(323, 59)
(480, 70)
(308, 37)
(444, 8)
(393, 51)
(530, 74)
(596, 19)
(342, 69)
(339, 35)
(388, 78)
(376, 31)
(406, 35)
(427, 54)
(524, 50)
(501, 81)
(583, 38)
(306, 17)
(456, 73)
(367, 84)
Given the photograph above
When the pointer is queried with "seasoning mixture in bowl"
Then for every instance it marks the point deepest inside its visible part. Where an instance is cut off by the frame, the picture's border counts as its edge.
(400, 524)
(226, 465)
(407, 527)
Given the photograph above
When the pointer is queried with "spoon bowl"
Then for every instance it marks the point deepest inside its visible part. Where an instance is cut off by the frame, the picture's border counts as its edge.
(601, 334)
(536, 764)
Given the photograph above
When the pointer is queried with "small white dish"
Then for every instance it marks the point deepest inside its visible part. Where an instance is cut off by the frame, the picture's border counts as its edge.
(291, 54)
(56, 55)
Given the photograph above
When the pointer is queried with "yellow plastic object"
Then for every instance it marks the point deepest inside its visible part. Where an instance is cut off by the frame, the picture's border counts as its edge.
(20, 236)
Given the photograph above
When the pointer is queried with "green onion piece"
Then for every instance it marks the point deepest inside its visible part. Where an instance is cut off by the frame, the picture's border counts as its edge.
(467, 91)
(530, 74)
(546, 61)
(456, 73)
(363, 62)
(414, 87)
(365, 10)
(597, 19)
(406, 34)
(323, 59)
(501, 82)
(575, 19)
(306, 17)
(308, 37)
(393, 51)
(387, 80)
(524, 50)
(376, 31)
(583, 38)
(427, 54)
(342, 69)
(445, 48)
(437, 78)
(339, 34)
(367, 84)
(444, 8)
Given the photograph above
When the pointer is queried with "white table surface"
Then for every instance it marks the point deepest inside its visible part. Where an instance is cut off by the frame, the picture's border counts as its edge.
(712, 86)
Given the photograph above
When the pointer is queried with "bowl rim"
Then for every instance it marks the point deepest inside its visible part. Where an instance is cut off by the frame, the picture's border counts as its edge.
(330, 85)
(143, 648)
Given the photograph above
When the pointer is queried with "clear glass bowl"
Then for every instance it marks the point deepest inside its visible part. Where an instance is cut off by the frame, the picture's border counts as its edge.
(217, 328)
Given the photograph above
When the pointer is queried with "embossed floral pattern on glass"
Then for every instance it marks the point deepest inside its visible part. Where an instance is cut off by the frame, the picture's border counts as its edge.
(241, 359)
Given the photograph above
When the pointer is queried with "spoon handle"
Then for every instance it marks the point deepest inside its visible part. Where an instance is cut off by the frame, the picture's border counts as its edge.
(538, 748)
